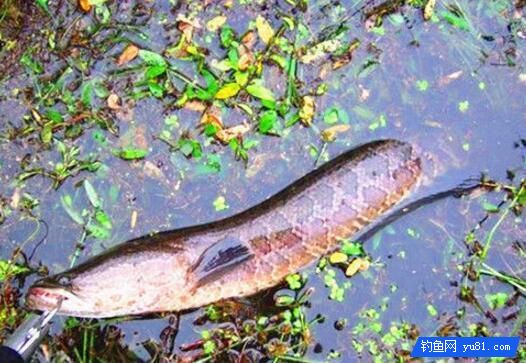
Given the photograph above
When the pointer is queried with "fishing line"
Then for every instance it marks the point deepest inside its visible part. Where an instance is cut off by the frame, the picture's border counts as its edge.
(41, 240)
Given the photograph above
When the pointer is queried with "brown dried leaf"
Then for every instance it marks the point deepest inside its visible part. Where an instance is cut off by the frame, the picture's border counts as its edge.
(211, 119)
(186, 26)
(153, 171)
(197, 106)
(320, 51)
(337, 257)
(133, 220)
(225, 135)
(36, 116)
(140, 138)
(307, 110)
(325, 71)
(444, 81)
(364, 93)
(245, 60)
(129, 54)
(85, 5)
(214, 24)
(114, 102)
(15, 199)
(429, 9)
(330, 134)
(346, 58)
(265, 31)
(126, 112)
(358, 264)
(249, 39)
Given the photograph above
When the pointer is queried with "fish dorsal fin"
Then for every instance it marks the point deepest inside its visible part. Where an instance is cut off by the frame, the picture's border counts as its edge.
(218, 259)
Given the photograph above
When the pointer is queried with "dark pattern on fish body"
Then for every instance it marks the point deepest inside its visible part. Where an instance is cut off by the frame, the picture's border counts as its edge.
(280, 236)
(349, 196)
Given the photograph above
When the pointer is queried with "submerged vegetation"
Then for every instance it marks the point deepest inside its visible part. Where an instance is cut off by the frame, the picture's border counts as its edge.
(124, 118)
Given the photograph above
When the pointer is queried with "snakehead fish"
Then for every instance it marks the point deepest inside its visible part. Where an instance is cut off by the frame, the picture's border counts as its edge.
(243, 254)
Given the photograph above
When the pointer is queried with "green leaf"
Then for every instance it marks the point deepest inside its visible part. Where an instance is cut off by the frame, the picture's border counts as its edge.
(227, 36)
(271, 105)
(209, 347)
(211, 82)
(455, 20)
(152, 58)
(257, 90)
(521, 196)
(352, 249)
(155, 71)
(187, 149)
(431, 310)
(497, 300)
(267, 121)
(87, 93)
(92, 194)
(172, 121)
(381, 121)
(47, 133)
(131, 153)
(71, 323)
(241, 78)
(54, 115)
(103, 219)
(101, 91)
(97, 231)
(97, 2)
(334, 115)
(30, 63)
(463, 106)
(294, 281)
(233, 57)
(211, 129)
(279, 60)
(292, 120)
(190, 148)
(262, 321)
(43, 4)
(490, 207)
(212, 86)
(284, 300)
(422, 85)
(156, 89)
(212, 165)
(102, 11)
(220, 203)
(9, 269)
(201, 94)
(99, 137)
(72, 213)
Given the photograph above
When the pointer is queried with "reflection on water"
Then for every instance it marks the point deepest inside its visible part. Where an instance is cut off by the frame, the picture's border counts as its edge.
(455, 93)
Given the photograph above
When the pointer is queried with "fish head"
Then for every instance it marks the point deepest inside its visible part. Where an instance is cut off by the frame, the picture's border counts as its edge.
(56, 291)
(124, 285)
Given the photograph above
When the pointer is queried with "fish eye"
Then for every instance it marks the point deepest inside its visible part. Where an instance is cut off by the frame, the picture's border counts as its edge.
(64, 281)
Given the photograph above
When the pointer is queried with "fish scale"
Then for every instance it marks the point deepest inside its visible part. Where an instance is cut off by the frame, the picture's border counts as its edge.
(243, 254)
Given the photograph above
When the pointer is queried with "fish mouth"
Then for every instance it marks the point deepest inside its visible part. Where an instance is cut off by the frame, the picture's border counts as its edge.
(46, 295)
(42, 298)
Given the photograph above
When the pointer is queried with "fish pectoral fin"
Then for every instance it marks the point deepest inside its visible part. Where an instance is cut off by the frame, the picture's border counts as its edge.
(219, 259)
